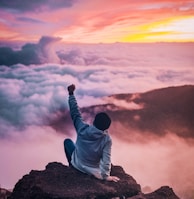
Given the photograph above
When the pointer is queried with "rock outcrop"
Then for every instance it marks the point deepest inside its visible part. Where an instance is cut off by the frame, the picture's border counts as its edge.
(161, 193)
(164, 192)
(58, 181)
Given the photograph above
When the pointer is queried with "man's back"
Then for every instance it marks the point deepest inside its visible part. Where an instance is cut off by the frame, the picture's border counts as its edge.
(92, 152)
(90, 145)
(93, 146)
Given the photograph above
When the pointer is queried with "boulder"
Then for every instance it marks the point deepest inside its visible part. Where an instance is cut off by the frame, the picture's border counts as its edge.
(58, 181)
(164, 192)
(161, 193)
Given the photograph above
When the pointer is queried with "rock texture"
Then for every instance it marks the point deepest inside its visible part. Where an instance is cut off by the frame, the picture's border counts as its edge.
(4, 193)
(58, 181)
(163, 192)
(61, 182)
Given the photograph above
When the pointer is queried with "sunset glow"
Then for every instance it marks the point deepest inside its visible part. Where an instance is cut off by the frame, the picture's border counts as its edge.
(98, 21)
(171, 30)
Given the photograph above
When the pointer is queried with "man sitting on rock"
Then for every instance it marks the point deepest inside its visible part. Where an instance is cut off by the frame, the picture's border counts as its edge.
(92, 152)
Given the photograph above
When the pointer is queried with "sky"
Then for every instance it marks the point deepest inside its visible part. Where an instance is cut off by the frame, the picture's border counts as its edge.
(104, 48)
(86, 21)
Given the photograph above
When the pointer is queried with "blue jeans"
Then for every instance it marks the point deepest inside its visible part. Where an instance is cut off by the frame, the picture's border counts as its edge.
(69, 147)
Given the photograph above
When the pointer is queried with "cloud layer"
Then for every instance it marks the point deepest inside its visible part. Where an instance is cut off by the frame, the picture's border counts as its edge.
(36, 94)
(52, 50)
(155, 163)
(33, 104)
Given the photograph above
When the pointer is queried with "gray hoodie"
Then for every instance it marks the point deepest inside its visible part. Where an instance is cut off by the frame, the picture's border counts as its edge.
(93, 146)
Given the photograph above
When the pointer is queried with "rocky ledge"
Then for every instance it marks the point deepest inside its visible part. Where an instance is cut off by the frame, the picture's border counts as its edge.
(58, 181)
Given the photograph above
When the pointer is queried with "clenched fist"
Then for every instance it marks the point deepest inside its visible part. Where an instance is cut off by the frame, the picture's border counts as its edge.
(71, 89)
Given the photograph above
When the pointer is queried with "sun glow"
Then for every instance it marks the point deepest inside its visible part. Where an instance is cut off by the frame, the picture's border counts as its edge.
(169, 30)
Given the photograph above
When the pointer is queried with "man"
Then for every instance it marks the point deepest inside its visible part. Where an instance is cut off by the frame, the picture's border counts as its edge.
(92, 152)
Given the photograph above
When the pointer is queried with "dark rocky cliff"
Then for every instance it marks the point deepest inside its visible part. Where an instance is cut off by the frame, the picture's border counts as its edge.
(58, 181)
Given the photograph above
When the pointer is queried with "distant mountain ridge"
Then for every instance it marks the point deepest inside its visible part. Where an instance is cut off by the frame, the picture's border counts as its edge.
(160, 111)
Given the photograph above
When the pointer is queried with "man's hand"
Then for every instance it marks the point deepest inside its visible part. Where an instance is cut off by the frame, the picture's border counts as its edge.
(112, 178)
(71, 89)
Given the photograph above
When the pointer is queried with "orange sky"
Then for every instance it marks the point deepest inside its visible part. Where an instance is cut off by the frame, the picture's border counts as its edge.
(98, 20)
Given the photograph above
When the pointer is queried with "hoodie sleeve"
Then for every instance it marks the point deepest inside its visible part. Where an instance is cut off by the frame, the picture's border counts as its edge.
(106, 160)
(76, 115)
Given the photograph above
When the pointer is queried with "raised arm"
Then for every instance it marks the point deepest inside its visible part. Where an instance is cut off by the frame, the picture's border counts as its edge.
(74, 110)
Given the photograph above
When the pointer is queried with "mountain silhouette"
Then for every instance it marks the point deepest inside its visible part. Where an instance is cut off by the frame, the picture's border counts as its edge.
(157, 112)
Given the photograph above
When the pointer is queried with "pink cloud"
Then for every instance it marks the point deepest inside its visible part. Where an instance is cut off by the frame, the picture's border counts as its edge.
(155, 163)
(34, 149)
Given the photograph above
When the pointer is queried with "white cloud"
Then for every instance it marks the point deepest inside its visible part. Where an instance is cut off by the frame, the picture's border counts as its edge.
(123, 104)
